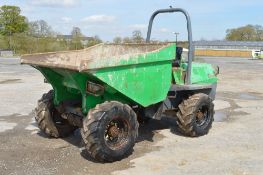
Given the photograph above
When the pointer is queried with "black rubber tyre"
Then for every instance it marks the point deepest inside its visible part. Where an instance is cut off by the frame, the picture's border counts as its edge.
(49, 120)
(195, 115)
(110, 131)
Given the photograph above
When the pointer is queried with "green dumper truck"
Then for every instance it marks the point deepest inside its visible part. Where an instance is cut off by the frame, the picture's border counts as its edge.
(106, 89)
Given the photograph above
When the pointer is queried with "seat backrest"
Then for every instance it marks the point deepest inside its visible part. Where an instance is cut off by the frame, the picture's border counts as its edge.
(178, 58)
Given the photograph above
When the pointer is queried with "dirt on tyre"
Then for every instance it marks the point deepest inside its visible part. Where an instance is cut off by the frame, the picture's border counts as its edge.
(49, 120)
(195, 115)
(110, 131)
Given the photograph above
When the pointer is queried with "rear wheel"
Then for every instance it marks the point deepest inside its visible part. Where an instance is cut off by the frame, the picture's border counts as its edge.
(195, 115)
(49, 120)
(110, 131)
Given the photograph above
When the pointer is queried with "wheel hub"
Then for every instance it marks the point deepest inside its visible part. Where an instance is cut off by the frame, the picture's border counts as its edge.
(200, 115)
(114, 131)
(116, 134)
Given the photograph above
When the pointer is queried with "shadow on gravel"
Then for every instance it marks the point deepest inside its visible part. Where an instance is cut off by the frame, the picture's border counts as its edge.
(173, 125)
(75, 139)
(146, 133)
(42, 134)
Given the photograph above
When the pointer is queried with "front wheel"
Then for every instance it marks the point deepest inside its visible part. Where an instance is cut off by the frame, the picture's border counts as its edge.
(110, 131)
(195, 115)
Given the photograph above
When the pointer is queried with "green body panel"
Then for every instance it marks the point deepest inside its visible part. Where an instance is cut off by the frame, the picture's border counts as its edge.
(202, 73)
(145, 84)
(179, 75)
(144, 79)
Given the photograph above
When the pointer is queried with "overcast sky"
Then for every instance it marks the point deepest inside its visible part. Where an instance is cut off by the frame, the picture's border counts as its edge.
(110, 18)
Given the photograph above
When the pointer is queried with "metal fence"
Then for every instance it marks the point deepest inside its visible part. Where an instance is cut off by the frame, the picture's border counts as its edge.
(228, 45)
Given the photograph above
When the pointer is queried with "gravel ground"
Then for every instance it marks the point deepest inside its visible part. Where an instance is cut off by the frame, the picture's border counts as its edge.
(233, 146)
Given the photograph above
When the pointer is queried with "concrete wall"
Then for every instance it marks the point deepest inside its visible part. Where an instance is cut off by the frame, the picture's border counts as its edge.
(223, 53)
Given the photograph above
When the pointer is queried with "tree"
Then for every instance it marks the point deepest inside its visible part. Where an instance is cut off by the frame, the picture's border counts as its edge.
(11, 21)
(137, 36)
(117, 40)
(245, 33)
(259, 32)
(22, 43)
(40, 28)
(93, 41)
(76, 38)
(38, 31)
(3, 42)
(127, 40)
(76, 32)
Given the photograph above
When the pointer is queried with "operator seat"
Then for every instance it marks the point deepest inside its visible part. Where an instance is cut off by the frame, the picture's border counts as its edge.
(176, 62)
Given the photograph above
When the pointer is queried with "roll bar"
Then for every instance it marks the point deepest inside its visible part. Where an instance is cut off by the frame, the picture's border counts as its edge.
(190, 39)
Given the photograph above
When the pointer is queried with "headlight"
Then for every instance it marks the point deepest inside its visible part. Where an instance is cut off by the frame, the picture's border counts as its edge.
(94, 89)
